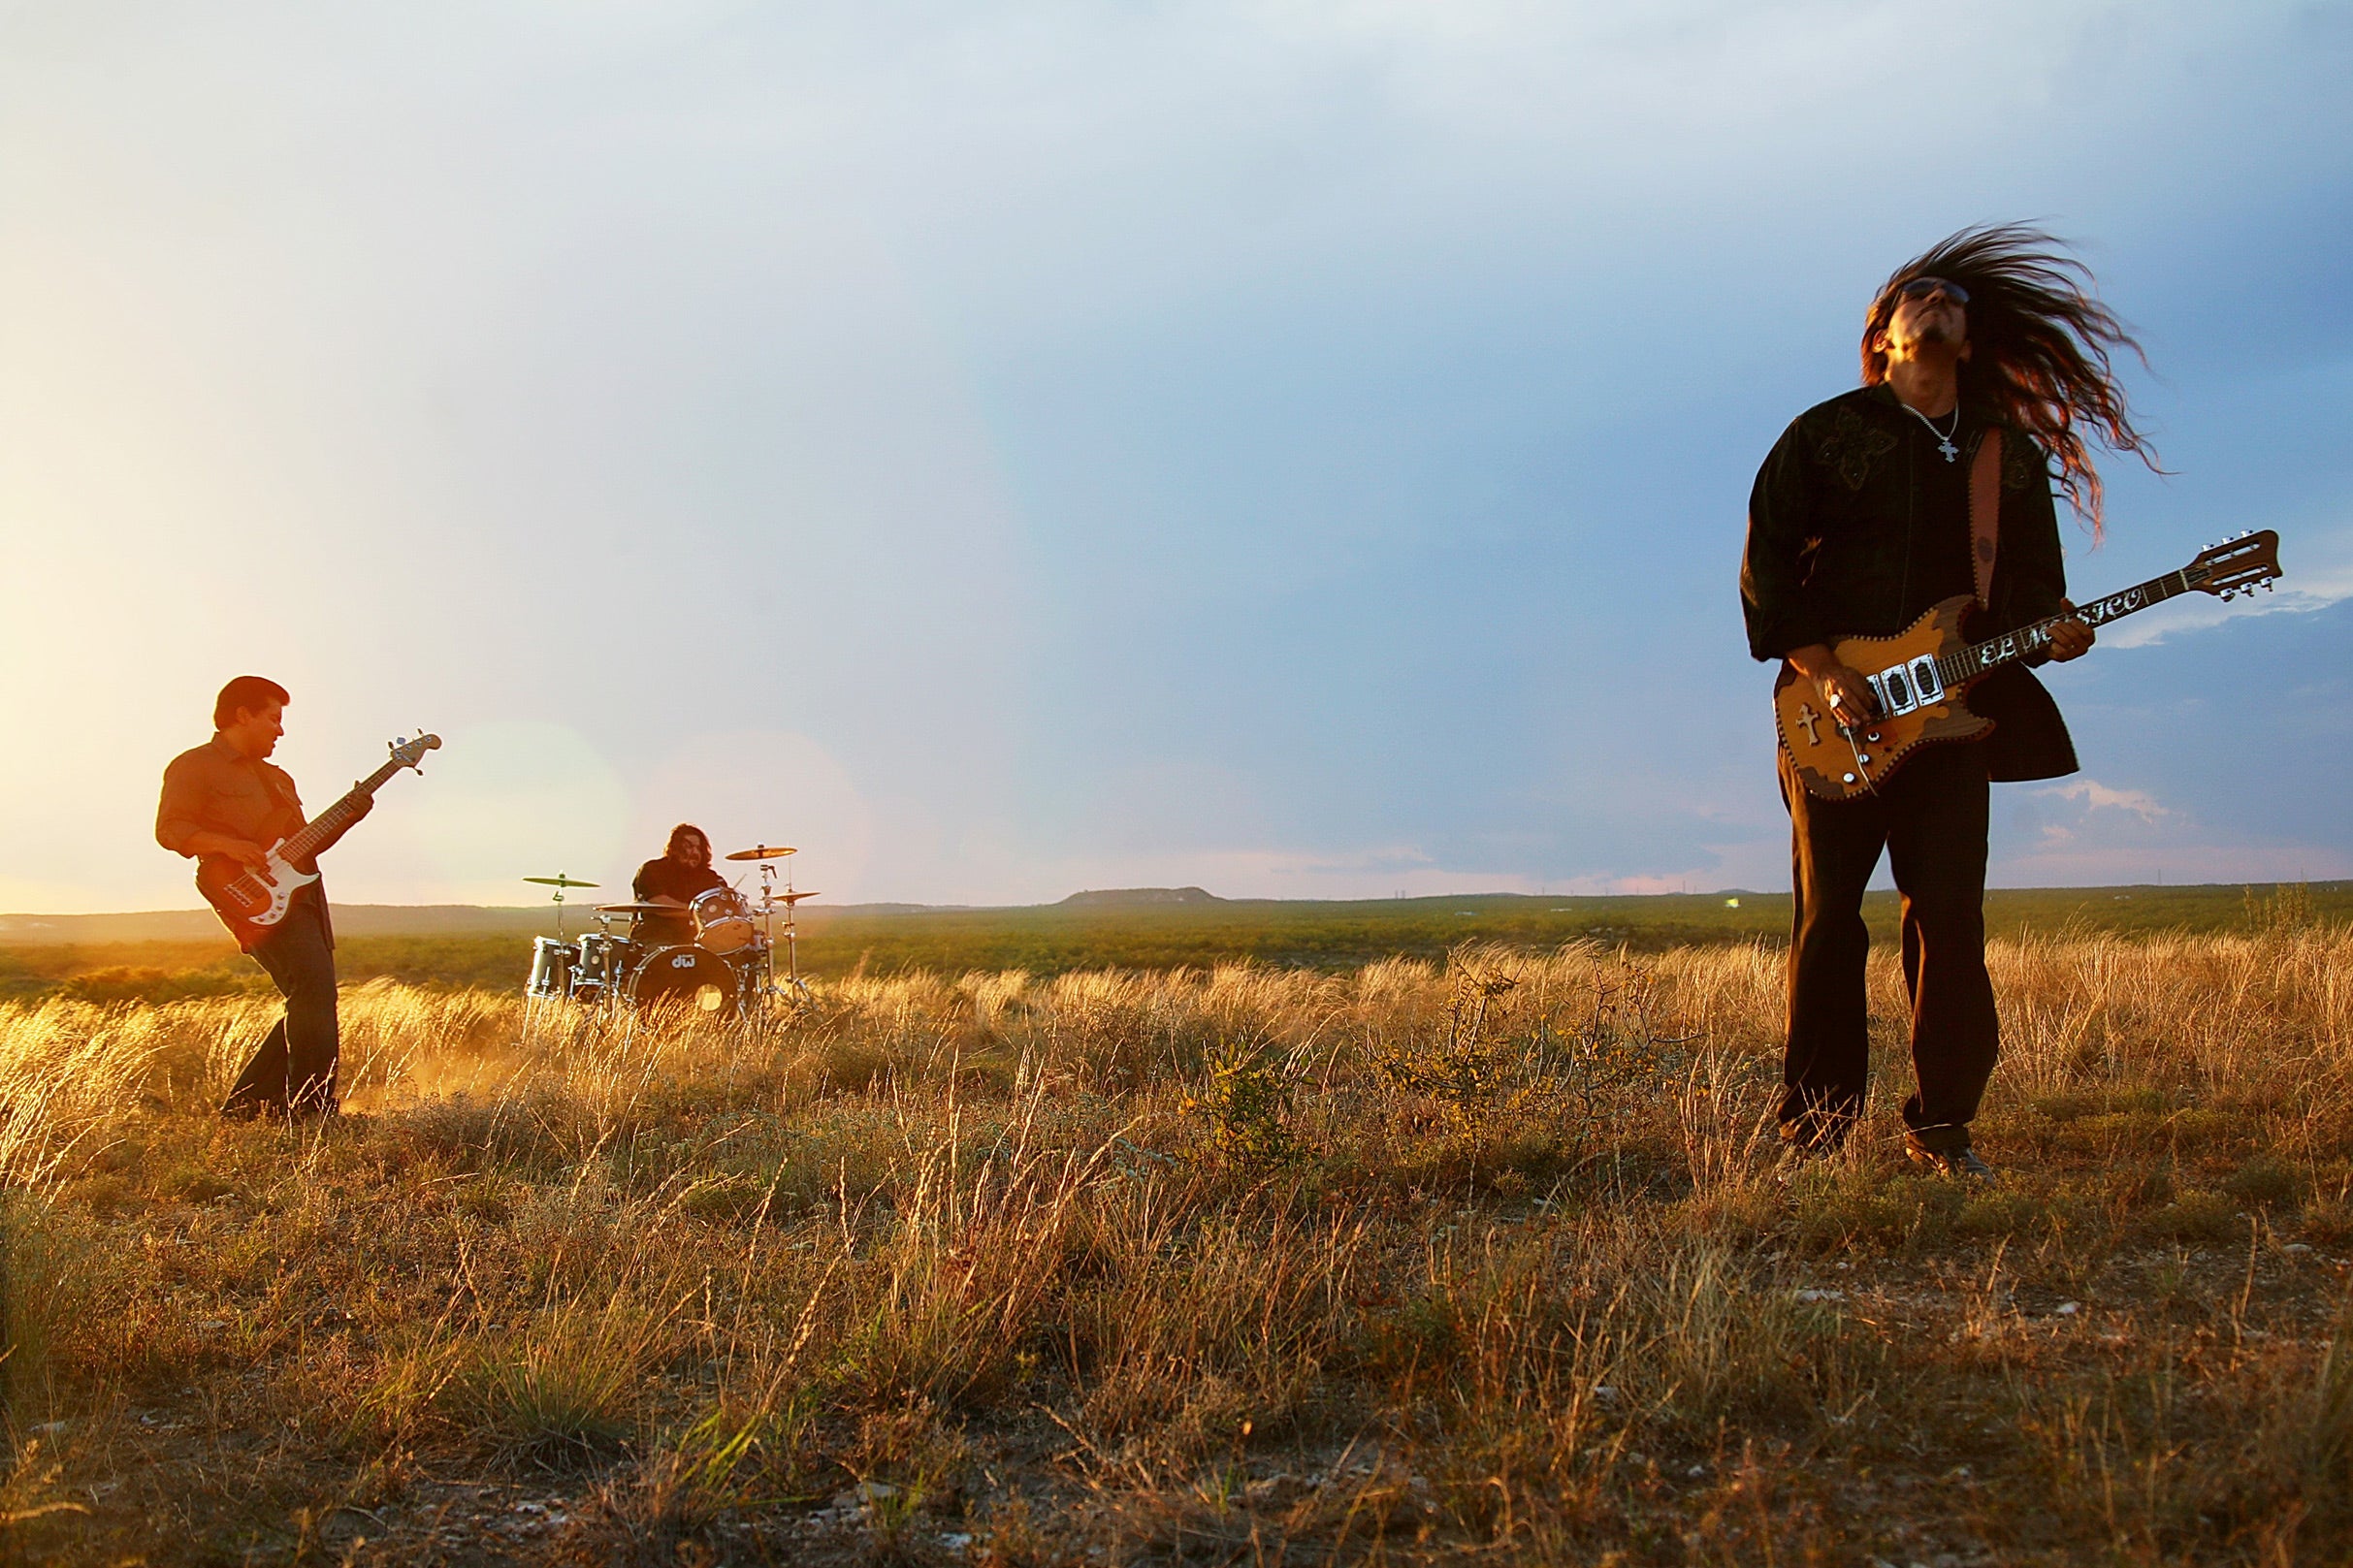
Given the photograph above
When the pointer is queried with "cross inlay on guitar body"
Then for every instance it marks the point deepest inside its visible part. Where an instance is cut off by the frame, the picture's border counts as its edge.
(1811, 720)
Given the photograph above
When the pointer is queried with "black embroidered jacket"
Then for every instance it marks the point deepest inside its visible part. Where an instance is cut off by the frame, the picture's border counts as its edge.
(1857, 525)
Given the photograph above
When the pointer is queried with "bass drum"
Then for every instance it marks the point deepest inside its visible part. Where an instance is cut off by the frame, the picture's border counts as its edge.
(692, 979)
(722, 920)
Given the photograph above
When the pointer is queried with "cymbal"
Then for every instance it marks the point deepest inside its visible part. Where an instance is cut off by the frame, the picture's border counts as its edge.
(559, 881)
(762, 851)
(774, 899)
(647, 907)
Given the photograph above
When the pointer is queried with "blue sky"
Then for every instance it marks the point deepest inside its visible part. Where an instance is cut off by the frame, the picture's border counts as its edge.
(1298, 449)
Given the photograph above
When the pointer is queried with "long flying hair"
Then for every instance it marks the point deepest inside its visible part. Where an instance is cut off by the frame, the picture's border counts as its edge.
(2042, 348)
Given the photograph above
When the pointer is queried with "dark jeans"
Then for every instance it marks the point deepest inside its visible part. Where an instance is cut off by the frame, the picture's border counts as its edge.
(294, 1069)
(1931, 819)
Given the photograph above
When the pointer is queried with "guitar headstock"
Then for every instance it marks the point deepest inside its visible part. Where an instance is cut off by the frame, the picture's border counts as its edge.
(408, 753)
(2236, 566)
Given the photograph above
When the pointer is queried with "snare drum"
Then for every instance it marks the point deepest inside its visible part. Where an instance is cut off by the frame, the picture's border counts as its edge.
(603, 958)
(552, 966)
(722, 920)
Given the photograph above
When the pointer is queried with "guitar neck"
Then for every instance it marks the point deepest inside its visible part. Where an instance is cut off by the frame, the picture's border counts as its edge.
(1979, 659)
(338, 816)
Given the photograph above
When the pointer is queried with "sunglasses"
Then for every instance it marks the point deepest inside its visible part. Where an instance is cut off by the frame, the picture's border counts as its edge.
(1920, 288)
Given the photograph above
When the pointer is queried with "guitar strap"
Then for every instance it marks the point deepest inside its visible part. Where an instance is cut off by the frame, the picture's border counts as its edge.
(1985, 512)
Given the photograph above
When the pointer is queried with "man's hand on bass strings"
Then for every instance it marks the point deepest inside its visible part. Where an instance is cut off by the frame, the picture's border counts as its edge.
(2069, 639)
(244, 852)
(1843, 688)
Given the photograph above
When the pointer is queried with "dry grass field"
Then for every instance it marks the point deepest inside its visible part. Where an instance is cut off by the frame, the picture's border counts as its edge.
(1477, 1261)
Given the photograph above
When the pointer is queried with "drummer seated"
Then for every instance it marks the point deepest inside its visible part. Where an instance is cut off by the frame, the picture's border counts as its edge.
(682, 871)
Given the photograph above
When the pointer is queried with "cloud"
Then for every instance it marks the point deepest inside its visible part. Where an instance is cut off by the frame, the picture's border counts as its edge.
(2097, 797)
(1286, 447)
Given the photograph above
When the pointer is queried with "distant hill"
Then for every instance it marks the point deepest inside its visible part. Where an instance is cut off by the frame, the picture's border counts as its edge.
(1122, 897)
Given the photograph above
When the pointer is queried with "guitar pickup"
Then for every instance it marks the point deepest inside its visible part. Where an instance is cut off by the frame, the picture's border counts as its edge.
(1907, 687)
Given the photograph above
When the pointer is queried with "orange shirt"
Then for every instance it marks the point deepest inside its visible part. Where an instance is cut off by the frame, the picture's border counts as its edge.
(215, 787)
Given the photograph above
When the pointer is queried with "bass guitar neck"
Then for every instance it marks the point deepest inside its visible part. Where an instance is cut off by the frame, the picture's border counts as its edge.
(252, 901)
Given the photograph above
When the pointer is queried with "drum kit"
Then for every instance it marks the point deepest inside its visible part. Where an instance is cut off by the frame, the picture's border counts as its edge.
(728, 968)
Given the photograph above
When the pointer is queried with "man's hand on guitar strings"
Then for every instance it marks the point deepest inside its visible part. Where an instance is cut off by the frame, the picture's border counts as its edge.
(1843, 690)
(244, 852)
(2069, 639)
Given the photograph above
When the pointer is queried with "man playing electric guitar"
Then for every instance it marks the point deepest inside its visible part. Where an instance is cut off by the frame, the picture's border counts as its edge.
(225, 801)
(1981, 360)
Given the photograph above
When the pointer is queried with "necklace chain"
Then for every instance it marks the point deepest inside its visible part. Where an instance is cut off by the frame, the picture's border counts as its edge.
(1944, 438)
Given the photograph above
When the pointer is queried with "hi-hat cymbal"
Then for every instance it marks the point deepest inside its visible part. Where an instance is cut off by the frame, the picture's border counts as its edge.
(559, 881)
(762, 851)
(647, 907)
(774, 899)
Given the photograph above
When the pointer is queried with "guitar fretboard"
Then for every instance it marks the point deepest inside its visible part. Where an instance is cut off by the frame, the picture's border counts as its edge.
(338, 816)
(1978, 658)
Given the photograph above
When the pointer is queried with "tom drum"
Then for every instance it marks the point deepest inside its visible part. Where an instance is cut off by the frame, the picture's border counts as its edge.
(722, 920)
(602, 964)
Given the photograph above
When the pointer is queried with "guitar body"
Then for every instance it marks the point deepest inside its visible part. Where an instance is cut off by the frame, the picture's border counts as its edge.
(1840, 764)
(251, 903)
(1921, 676)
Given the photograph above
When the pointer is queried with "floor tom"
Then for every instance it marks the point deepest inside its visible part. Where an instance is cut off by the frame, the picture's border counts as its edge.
(552, 965)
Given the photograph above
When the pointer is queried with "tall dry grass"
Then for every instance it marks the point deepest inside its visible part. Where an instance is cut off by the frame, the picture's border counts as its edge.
(1419, 1261)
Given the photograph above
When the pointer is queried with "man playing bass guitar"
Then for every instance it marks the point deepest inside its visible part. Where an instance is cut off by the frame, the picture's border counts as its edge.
(224, 800)
(1983, 360)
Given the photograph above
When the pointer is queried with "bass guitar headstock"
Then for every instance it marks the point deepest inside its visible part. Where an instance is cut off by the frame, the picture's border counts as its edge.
(2237, 565)
(408, 753)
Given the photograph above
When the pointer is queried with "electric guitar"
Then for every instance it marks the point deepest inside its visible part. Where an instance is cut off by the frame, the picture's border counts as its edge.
(251, 901)
(1919, 677)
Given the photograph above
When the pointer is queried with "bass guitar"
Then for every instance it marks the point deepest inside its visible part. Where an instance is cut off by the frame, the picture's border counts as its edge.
(1920, 676)
(250, 902)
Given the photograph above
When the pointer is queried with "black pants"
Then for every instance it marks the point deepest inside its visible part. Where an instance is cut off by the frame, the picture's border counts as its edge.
(294, 1069)
(1931, 819)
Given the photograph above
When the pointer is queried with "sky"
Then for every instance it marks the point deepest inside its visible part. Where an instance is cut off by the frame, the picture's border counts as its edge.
(1297, 449)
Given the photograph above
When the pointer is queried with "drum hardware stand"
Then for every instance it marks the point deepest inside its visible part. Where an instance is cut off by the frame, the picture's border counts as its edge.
(795, 985)
(792, 953)
(768, 855)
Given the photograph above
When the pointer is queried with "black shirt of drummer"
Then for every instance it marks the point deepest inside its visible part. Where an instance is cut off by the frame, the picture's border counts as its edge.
(665, 878)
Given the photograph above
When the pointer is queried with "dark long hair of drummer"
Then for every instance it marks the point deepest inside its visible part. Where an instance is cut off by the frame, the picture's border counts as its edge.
(683, 869)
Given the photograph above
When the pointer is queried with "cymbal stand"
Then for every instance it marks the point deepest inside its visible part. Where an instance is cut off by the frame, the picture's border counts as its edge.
(767, 914)
(792, 953)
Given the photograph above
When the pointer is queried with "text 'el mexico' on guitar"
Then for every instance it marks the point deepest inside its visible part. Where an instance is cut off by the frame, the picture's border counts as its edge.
(250, 901)
(1920, 676)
